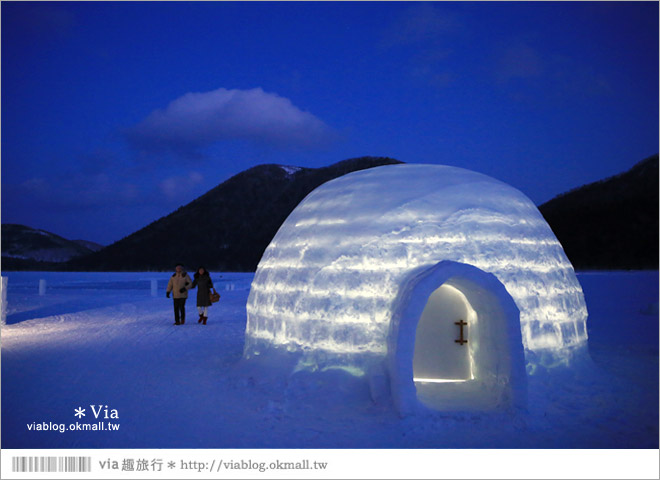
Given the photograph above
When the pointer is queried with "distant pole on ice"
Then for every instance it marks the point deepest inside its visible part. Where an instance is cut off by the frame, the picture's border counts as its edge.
(42, 286)
(154, 288)
(3, 294)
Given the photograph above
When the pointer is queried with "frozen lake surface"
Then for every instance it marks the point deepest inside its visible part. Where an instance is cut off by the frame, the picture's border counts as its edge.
(101, 339)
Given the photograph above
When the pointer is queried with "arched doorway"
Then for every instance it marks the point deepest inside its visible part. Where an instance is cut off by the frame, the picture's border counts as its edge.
(455, 342)
(442, 348)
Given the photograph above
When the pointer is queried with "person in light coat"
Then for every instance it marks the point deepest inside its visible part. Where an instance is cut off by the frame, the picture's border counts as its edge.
(179, 285)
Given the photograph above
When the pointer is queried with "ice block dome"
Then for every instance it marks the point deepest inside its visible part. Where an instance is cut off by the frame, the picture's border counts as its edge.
(445, 280)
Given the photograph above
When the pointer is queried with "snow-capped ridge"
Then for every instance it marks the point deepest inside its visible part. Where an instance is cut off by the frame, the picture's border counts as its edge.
(36, 245)
(289, 169)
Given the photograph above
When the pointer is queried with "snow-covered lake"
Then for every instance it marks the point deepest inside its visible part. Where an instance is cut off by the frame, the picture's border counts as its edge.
(101, 339)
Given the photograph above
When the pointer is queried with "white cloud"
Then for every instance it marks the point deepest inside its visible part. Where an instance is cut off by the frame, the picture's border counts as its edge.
(197, 120)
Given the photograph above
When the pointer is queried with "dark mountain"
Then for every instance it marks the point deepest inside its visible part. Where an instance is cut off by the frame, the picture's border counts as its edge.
(93, 246)
(227, 228)
(25, 247)
(611, 224)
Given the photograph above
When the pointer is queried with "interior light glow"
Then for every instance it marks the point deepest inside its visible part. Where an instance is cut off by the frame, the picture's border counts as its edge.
(441, 380)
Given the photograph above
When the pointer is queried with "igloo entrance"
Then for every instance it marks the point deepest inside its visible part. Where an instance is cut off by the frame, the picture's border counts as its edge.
(442, 349)
(456, 342)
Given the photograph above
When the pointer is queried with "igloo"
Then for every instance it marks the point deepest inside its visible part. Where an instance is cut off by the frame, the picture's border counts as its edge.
(442, 287)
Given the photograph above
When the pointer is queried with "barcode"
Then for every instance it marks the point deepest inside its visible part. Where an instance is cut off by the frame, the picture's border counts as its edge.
(51, 464)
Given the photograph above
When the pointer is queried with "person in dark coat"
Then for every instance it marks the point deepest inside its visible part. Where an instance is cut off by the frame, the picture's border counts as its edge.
(202, 280)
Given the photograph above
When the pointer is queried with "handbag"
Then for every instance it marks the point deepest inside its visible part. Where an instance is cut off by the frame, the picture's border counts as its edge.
(215, 296)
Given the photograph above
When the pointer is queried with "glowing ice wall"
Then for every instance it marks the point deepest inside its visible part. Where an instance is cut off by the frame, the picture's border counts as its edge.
(3, 300)
(327, 283)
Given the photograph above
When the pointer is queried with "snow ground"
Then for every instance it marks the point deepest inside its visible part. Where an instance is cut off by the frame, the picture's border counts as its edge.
(101, 339)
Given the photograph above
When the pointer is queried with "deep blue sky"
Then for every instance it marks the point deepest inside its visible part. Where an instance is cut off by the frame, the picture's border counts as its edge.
(115, 114)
